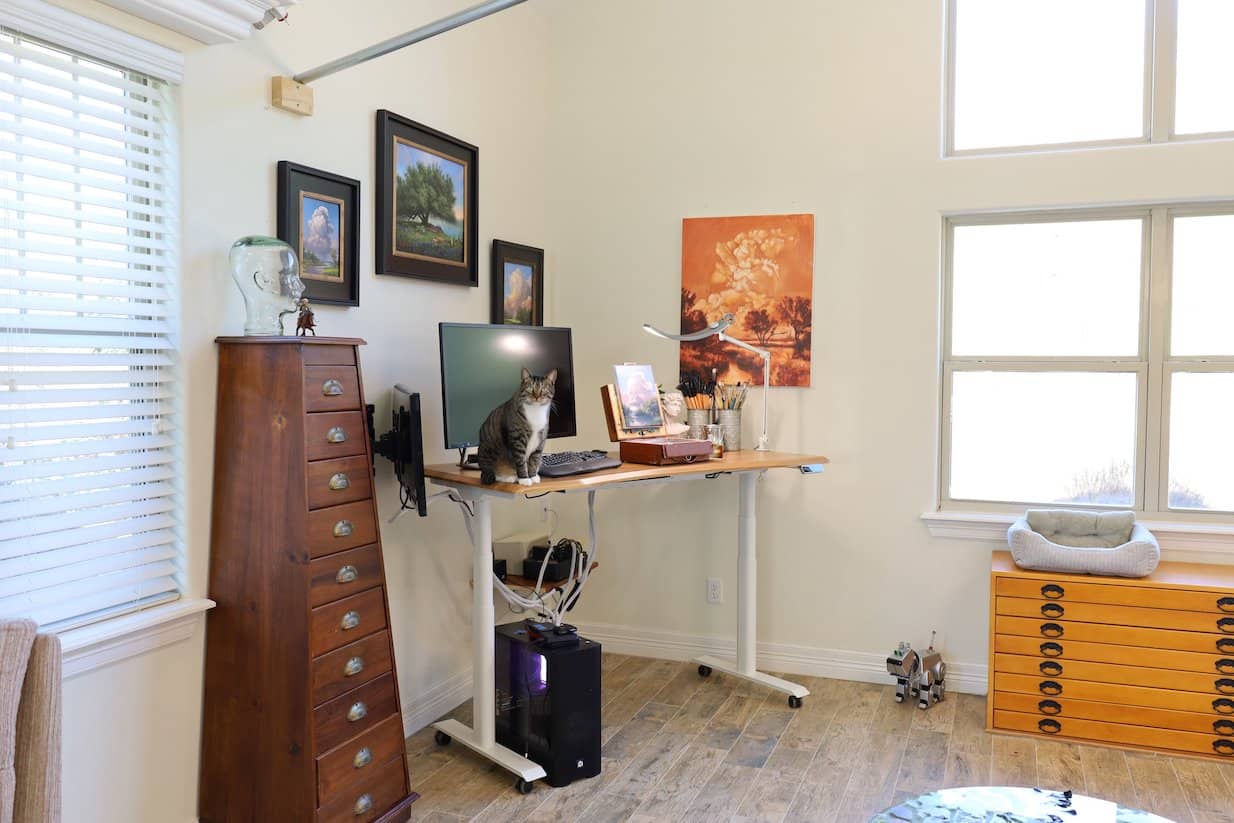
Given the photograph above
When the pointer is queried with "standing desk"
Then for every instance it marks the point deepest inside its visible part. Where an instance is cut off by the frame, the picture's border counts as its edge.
(747, 465)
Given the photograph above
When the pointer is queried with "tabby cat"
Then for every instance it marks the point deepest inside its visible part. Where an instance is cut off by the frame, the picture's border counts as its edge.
(512, 437)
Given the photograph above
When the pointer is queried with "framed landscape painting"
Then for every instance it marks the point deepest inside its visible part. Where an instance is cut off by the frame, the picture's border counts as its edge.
(319, 217)
(518, 284)
(426, 221)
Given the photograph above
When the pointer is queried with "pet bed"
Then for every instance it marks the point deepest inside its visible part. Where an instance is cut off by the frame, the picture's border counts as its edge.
(1058, 540)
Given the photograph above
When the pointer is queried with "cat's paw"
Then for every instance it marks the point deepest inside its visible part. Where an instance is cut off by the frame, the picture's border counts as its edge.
(507, 478)
(535, 479)
(524, 481)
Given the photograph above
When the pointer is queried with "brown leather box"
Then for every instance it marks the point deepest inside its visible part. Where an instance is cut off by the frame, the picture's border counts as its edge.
(663, 451)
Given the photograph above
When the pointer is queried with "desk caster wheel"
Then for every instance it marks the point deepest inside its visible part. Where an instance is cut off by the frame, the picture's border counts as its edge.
(794, 701)
(704, 671)
(522, 786)
(442, 738)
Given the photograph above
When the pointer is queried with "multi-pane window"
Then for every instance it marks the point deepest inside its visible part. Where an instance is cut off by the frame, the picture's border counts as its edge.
(1041, 73)
(1088, 359)
(88, 318)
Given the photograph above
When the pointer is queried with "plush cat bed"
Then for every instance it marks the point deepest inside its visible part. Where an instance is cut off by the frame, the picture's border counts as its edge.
(1058, 540)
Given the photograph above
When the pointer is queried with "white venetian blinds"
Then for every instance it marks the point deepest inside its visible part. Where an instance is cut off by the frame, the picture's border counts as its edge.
(88, 317)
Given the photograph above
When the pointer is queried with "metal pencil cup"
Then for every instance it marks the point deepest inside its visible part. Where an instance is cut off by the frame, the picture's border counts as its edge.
(730, 421)
(696, 419)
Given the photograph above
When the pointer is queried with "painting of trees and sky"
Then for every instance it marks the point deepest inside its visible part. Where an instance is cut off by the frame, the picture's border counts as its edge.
(761, 269)
(430, 208)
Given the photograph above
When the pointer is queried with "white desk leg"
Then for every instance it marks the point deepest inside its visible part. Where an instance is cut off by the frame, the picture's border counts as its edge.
(747, 602)
(481, 738)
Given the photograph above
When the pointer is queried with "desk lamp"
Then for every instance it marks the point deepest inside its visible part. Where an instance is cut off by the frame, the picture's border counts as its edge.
(717, 329)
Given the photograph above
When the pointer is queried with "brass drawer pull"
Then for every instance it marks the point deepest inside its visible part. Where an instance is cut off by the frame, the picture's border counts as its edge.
(350, 620)
(336, 435)
(362, 758)
(354, 666)
(1052, 649)
(1224, 727)
(1223, 705)
(1051, 668)
(1050, 687)
(1050, 707)
(1226, 625)
(1224, 685)
(339, 481)
(1050, 726)
(343, 528)
(1223, 747)
(331, 388)
(1051, 630)
(364, 805)
(1052, 610)
(1052, 591)
(347, 574)
(1226, 604)
(1225, 645)
(358, 711)
(1225, 665)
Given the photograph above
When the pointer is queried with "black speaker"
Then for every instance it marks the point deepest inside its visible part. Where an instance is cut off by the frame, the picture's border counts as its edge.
(548, 700)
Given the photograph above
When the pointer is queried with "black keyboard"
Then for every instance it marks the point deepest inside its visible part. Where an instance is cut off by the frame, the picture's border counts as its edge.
(563, 464)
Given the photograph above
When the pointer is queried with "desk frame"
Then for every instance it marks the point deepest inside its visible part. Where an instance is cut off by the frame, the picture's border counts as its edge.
(481, 736)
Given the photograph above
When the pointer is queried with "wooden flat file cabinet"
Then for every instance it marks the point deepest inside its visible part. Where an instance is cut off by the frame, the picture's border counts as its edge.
(1142, 663)
(301, 719)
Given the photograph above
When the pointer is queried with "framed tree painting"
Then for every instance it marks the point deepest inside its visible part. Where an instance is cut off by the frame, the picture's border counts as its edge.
(518, 284)
(426, 220)
(319, 217)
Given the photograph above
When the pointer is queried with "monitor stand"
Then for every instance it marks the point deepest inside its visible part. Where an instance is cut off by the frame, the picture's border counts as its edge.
(468, 461)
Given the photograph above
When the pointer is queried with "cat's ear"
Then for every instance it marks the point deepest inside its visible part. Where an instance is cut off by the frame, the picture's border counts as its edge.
(526, 375)
(552, 377)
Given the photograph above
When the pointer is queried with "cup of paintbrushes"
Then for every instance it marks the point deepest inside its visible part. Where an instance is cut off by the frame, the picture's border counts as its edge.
(698, 415)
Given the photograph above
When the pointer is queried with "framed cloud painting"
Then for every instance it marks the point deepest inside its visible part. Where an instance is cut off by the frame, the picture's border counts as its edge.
(319, 217)
(518, 284)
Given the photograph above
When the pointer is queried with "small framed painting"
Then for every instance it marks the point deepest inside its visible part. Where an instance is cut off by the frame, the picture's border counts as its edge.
(518, 284)
(426, 222)
(638, 397)
(319, 217)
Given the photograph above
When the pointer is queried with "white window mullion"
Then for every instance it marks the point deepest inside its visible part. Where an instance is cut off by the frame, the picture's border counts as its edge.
(1158, 304)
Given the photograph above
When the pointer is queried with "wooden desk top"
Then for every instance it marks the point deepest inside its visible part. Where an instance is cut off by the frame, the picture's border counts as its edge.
(449, 474)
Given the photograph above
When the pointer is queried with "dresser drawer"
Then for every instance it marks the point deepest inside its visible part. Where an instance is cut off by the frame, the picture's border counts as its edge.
(317, 354)
(369, 799)
(331, 388)
(1215, 705)
(1119, 635)
(1064, 649)
(1071, 592)
(334, 434)
(346, 620)
(331, 482)
(349, 666)
(354, 712)
(1116, 615)
(1114, 733)
(344, 574)
(337, 528)
(357, 758)
(1115, 713)
(1214, 684)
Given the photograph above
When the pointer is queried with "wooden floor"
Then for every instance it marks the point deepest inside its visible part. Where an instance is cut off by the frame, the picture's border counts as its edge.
(678, 747)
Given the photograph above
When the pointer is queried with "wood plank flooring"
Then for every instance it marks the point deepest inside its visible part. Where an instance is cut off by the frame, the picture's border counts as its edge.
(678, 747)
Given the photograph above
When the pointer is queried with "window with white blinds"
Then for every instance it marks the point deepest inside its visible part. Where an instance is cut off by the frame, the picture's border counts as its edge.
(88, 318)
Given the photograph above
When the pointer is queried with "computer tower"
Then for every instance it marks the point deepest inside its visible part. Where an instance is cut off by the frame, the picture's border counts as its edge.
(548, 700)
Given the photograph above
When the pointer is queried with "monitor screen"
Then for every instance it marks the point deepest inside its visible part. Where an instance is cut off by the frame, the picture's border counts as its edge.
(481, 367)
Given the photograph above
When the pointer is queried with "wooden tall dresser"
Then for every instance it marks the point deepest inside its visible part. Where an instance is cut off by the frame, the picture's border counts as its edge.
(1144, 663)
(301, 718)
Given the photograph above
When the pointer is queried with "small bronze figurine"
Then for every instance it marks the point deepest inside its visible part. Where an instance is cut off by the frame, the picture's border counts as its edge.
(304, 323)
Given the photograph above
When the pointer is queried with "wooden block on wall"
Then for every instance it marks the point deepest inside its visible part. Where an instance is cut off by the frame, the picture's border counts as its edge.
(288, 95)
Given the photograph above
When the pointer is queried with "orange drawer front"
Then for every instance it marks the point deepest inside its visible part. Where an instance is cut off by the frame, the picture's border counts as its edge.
(1114, 693)
(1114, 733)
(371, 798)
(334, 434)
(354, 712)
(1215, 684)
(1116, 615)
(344, 574)
(349, 762)
(1062, 591)
(332, 482)
(349, 666)
(346, 620)
(342, 527)
(1114, 713)
(1119, 635)
(331, 388)
(1064, 649)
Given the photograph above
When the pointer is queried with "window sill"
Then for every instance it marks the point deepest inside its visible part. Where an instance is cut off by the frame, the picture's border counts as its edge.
(100, 644)
(1191, 537)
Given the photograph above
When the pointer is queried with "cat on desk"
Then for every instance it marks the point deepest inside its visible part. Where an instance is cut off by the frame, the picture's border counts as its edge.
(512, 437)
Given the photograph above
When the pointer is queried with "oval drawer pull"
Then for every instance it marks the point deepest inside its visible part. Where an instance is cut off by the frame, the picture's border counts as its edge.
(1226, 624)
(364, 804)
(1050, 707)
(1225, 665)
(1226, 604)
(1225, 727)
(347, 574)
(362, 758)
(1052, 591)
(1224, 685)
(339, 481)
(358, 711)
(1223, 705)
(1050, 726)
(350, 620)
(1225, 645)
(1050, 687)
(1051, 668)
(1052, 610)
(354, 666)
(331, 388)
(336, 435)
(343, 528)
(1051, 630)
(1223, 747)
(1052, 649)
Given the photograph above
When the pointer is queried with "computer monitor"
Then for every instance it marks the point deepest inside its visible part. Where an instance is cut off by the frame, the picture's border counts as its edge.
(481, 366)
(403, 446)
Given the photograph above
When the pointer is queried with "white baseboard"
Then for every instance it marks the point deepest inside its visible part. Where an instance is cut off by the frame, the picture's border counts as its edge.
(439, 700)
(841, 664)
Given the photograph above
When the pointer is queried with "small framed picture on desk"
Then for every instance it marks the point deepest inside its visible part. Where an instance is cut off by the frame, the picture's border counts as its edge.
(638, 397)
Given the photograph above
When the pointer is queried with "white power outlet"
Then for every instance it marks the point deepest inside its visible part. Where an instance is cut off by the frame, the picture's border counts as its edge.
(715, 590)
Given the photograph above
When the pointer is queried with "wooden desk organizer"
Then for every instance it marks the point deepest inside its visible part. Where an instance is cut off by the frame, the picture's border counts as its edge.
(652, 446)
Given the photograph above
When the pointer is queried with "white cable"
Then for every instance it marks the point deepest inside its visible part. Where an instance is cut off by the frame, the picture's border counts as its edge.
(591, 556)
